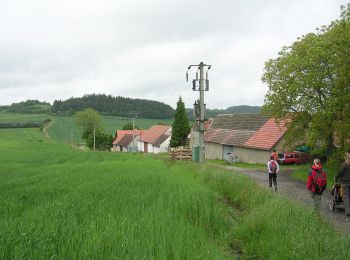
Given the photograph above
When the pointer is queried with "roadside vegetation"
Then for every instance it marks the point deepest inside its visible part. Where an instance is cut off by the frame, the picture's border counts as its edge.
(64, 203)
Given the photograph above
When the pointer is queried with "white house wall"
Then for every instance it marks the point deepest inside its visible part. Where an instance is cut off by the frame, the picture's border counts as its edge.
(213, 150)
(164, 147)
(252, 155)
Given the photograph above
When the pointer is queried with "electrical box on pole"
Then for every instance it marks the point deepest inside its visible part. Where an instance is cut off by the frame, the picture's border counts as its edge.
(200, 84)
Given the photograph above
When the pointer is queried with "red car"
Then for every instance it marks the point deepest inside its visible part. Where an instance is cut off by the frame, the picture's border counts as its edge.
(294, 158)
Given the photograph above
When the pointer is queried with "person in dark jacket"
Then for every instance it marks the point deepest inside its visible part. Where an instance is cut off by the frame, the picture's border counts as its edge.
(343, 176)
(316, 182)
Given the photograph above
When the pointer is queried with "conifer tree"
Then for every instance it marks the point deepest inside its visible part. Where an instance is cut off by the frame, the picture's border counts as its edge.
(181, 126)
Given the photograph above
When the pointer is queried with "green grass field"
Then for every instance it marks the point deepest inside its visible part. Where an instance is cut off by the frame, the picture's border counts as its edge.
(57, 202)
(65, 130)
(22, 118)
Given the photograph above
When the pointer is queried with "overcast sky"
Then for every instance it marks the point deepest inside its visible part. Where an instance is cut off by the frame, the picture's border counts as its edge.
(57, 49)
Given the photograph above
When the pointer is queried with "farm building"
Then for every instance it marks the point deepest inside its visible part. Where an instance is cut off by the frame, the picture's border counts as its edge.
(156, 139)
(126, 140)
(252, 137)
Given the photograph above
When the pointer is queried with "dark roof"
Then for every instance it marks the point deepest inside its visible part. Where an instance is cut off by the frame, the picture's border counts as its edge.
(251, 122)
(119, 134)
(125, 140)
(160, 140)
(227, 136)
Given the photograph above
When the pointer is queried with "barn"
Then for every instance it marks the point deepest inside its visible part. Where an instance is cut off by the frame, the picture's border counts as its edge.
(251, 137)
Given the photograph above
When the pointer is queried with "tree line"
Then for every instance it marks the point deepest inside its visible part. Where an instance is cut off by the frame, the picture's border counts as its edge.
(117, 106)
(28, 107)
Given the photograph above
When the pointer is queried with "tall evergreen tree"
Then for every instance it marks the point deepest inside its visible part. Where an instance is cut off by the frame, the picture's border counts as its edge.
(181, 126)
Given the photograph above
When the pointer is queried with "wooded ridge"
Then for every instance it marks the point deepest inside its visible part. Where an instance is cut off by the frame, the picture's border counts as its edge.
(116, 106)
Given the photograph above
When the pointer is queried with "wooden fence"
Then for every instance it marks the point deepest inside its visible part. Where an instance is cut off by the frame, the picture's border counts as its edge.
(181, 154)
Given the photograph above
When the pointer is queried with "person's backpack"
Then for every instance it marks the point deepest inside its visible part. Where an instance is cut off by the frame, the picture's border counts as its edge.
(319, 181)
(273, 166)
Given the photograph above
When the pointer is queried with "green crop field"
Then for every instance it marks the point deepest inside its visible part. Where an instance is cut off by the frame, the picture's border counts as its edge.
(61, 203)
(22, 118)
(65, 130)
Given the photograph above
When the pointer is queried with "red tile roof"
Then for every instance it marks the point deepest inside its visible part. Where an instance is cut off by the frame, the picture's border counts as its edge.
(267, 136)
(120, 134)
(151, 135)
(208, 123)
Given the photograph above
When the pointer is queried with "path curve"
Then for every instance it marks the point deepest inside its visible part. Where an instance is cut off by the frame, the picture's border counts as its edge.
(46, 126)
(296, 189)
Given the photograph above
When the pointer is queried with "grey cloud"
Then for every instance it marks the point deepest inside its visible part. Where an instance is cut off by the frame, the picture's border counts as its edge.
(58, 49)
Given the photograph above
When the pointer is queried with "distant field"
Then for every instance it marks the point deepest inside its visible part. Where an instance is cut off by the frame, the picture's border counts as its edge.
(60, 203)
(64, 129)
(22, 118)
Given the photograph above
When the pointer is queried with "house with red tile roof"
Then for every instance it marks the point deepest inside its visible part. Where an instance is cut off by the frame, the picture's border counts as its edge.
(126, 140)
(156, 139)
(252, 137)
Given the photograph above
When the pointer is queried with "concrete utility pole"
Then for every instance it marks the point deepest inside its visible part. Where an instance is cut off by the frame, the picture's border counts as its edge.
(94, 139)
(133, 113)
(133, 133)
(200, 106)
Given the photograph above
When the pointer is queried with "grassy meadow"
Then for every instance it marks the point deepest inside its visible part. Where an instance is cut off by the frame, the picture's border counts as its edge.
(57, 202)
(22, 118)
(65, 130)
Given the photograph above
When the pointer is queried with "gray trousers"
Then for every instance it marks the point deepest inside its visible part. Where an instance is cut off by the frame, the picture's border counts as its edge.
(317, 200)
(346, 198)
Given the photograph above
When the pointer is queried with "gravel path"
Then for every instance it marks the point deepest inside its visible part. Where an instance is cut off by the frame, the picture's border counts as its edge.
(296, 189)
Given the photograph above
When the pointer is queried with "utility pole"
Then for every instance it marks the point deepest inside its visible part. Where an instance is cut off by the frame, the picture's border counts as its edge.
(133, 133)
(94, 139)
(133, 113)
(200, 106)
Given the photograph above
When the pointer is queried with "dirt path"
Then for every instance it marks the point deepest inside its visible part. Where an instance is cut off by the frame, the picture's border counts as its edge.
(296, 189)
(46, 126)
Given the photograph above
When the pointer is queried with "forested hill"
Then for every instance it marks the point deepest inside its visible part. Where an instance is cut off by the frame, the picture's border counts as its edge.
(118, 106)
(242, 109)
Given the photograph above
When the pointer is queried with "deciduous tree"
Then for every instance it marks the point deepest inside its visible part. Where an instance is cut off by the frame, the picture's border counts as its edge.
(309, 82)
(89, 120)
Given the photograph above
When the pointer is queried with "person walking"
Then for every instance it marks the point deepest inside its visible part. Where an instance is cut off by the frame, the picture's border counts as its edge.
(274, 154)
(316, 182)
(343, 176)
(272, 168)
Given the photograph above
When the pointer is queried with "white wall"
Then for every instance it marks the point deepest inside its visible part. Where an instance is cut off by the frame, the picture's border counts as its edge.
(251, 155)
(164, 147)
(213, 150)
